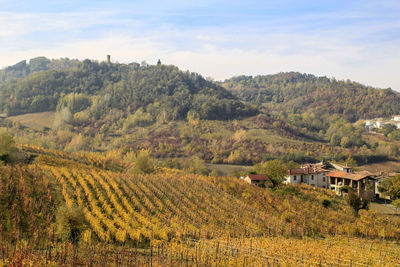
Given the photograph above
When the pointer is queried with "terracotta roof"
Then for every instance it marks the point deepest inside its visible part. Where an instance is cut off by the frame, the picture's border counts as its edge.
(368, 173)
(345, 175)
(258, 177)
(337, 174)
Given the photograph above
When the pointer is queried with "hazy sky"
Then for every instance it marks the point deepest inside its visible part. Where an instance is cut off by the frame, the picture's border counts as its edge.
(357, 40)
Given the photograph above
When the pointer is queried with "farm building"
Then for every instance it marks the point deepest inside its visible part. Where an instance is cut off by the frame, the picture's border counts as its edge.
(257, 179)
(362, 183)
(308, 175)
(313, 174)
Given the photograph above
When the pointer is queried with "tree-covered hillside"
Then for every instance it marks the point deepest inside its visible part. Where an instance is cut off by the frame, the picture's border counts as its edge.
(23, 69)
(104, 106)
(316, 98)
(161, 92)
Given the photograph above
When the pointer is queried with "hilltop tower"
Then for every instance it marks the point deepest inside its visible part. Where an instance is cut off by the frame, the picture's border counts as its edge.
(108, 59)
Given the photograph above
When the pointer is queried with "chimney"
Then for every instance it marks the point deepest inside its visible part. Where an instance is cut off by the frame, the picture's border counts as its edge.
(108, 59)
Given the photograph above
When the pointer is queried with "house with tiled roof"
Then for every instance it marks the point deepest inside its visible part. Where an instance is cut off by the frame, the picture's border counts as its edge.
(314, 174)
(258, 179)
(362, 183)
(308, 174)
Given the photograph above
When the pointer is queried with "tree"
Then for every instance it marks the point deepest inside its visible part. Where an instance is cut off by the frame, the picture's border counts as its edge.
(387, 129)
(6, 147)
(274, 169)
(144, 162)
(396, 203)
(350, 161)
(62, 117)
(391, 187)
(395, 135)
(70, 224)
(197, 165)
(356, 202)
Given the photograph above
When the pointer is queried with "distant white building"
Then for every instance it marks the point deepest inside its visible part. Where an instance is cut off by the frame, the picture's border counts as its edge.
(380, 122)
(368, 123)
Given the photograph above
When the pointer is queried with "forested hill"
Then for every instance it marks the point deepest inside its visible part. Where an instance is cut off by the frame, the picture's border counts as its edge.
(23, 69)
(296, 93)
(95, 88)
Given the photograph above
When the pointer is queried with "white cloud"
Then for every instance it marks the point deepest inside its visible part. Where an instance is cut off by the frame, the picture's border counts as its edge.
(346, 52)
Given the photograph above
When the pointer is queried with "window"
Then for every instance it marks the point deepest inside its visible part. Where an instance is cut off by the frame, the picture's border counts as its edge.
(323, 186)
(323, 179)
(312, 177)
(294, 178)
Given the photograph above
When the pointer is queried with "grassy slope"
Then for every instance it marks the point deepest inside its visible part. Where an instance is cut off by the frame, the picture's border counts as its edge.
(35, 120)
(209, 140)
(387, 166)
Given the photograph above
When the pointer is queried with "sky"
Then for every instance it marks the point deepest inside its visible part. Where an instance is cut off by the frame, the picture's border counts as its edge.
(353, 39)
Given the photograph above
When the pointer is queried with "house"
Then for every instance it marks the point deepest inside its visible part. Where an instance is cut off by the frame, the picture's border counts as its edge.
(362, 183)
(314, 174)
(257, 179)
(308, 174)
(369, 125)
(380, 122)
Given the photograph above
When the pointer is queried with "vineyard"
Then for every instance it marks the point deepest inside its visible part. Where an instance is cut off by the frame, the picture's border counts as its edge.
(170, 217)
(265, 251)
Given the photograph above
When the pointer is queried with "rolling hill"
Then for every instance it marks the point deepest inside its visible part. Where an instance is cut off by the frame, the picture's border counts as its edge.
(103, 106)
(294, 93)
(95, 88)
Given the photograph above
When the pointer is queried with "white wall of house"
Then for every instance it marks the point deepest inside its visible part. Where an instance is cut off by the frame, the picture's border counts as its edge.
(317, 180)
(247, 179)
(293, 179)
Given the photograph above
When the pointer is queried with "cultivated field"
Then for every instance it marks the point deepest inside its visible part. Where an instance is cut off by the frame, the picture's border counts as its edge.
(35, 120)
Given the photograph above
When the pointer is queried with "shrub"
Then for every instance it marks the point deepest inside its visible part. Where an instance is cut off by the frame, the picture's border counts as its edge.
(6, 148)
(144, 162)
